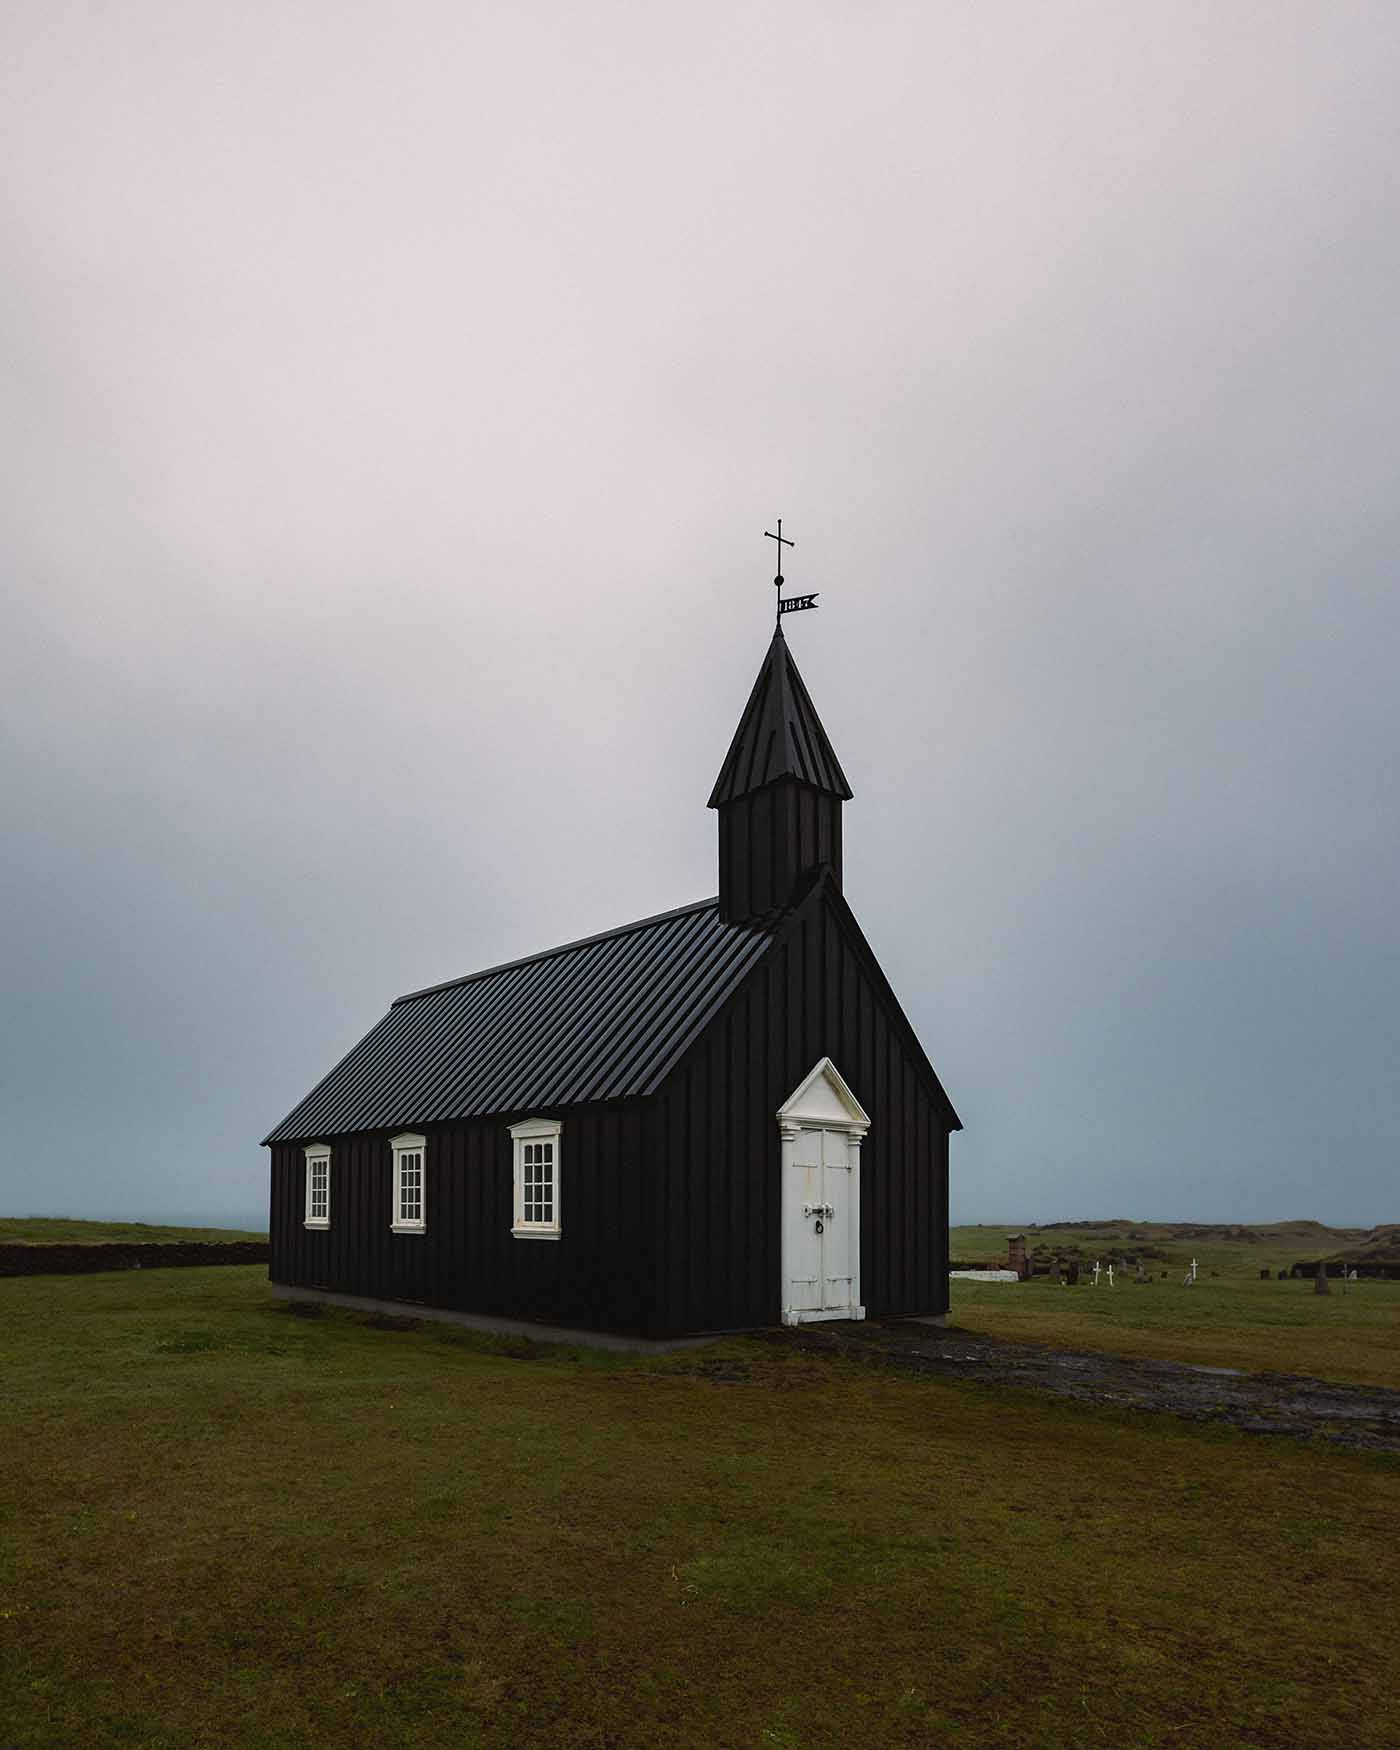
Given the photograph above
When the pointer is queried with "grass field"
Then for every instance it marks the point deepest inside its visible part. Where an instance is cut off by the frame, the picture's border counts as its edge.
(50, 1230)
(1228, 1318)
(1262, 1327)
(225, 1524)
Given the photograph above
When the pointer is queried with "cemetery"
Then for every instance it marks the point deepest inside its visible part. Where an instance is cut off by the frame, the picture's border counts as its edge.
(1252, 1303)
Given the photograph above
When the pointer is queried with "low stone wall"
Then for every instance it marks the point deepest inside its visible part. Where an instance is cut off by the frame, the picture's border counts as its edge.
(75, 1259)
(1375, 1268)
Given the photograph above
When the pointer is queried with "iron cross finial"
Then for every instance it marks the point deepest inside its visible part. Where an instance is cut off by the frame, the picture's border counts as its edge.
(782, 541)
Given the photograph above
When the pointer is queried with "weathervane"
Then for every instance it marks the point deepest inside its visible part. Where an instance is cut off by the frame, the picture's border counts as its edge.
(792, 604)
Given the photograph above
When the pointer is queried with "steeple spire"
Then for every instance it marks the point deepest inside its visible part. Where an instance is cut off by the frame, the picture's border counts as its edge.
(779, 793)
(779, 736)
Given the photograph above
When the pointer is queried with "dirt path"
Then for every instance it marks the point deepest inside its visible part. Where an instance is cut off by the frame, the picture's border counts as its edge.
(1365, 1418)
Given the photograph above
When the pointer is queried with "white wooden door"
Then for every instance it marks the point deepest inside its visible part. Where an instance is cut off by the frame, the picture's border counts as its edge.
(821, 1226)
(839, 1224)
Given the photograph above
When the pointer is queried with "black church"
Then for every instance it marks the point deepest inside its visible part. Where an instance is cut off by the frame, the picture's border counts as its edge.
(712, 1119)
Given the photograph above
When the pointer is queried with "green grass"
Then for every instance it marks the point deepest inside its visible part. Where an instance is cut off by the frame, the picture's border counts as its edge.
(1261, 1327)
(224, 1524)
(50, 1230)
(1228, 1318)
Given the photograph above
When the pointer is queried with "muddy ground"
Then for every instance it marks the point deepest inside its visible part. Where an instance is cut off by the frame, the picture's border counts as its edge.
(1365, 1418)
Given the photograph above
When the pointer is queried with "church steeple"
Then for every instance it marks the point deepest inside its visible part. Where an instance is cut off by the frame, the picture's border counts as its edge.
(779, 794)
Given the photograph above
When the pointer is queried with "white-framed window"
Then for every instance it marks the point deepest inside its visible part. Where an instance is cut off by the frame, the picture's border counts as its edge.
(410, 1209)
(536, 1142)
(318, 1185)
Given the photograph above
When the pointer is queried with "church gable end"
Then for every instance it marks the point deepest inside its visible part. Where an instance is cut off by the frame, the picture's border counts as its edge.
(713, 1134)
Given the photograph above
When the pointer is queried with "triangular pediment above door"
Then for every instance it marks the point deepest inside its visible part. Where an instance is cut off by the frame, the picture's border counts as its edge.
(822, 1097)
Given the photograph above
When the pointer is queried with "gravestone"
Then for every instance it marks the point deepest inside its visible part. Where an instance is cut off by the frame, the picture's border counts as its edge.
(1055, 1269)
(1320, 1283)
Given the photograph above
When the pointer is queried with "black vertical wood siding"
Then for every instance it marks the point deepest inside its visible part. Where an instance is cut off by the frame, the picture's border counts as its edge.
(468, 1258)
(767, 839)
(714, 1154)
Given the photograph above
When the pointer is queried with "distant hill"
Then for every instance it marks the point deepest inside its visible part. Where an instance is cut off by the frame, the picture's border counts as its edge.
(57, 1230)
(1315, 1232)
(1380, 1246)
(1224, 1247)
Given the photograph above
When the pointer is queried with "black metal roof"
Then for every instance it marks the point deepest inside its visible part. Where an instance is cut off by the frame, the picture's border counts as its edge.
(597, 1019)
(779, 736)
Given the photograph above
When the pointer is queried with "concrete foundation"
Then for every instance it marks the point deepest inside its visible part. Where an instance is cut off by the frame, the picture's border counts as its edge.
(406, 1309)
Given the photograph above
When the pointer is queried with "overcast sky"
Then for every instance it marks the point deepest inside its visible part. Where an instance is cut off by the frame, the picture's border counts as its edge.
(394, 398)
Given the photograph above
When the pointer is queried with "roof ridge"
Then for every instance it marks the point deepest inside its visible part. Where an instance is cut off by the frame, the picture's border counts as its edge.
(563, 948)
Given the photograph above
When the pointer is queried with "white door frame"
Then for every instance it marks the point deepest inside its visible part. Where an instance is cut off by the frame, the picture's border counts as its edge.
(821, 1101)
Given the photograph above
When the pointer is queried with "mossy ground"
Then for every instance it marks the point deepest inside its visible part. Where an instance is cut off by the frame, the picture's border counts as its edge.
(226, 1524)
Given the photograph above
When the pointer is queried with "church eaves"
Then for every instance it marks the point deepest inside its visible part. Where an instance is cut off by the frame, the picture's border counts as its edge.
(779, 736)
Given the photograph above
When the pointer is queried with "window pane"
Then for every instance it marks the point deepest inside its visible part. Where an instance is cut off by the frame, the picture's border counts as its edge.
(320, 1188)
(410, 1175)
(534, 1182)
